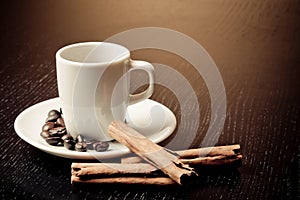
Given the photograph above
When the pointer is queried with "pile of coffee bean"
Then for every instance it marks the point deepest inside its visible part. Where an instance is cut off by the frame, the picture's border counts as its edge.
(55, 133)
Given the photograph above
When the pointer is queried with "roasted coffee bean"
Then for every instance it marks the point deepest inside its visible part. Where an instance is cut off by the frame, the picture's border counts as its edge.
(60, 122)
(54, 113)
(58, 131)
(44, 134)
(100, 146)
(67, 137)
(48, 126)
(69, 144)
(89, 143)
(79, 138)
(53, 140)
(55, 133)
(52, 118)
(80, 146)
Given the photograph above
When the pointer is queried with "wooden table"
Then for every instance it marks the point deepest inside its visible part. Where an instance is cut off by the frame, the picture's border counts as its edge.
(255, 45)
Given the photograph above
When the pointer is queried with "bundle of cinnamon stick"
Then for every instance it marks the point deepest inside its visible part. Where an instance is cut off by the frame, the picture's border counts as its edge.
(153, 163)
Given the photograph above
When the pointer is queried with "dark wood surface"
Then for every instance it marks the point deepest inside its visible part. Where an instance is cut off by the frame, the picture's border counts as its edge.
(255, 45)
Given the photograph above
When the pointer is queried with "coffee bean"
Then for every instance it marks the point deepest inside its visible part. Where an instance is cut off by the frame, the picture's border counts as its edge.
(58, 131)
(67, 137)
(53, 140)
(80, 146)
(55, 133)
(52, 118)
(60, 122)
(54, 113)
(48, 126)
(69, 144)
(44, 134)
(89, 143)
(79, 138)
(100, 146)
(58, 128)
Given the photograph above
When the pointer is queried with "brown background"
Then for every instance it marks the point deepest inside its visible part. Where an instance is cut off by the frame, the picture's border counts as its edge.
(255, 45)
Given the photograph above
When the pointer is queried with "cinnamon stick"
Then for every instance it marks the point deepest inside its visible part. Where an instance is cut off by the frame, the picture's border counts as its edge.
(203, 161)
(112, 169)
(150, 151)
(218, 155)
(131, 171)
(86, 170)
(213, 160)
(126, 180)
(228, 150)
(137, 173)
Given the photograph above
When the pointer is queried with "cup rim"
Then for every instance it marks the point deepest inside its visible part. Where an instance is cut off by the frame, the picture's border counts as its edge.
(64, 48)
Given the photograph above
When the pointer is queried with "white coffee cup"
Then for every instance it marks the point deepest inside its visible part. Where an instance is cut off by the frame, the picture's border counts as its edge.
(93, 85)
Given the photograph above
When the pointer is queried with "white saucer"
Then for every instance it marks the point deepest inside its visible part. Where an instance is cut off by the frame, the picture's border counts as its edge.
(149, 117)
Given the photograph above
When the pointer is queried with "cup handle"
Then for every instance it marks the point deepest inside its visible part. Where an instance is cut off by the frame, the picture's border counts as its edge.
(142, 65)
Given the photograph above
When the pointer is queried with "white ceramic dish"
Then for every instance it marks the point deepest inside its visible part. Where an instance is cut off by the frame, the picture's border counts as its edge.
(149, 117)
